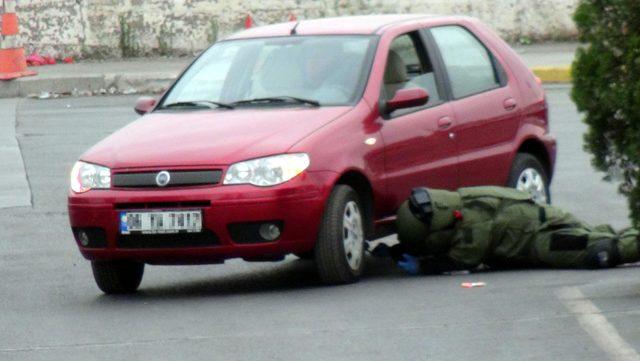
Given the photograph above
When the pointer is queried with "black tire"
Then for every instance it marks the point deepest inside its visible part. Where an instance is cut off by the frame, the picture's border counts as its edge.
(305, 255)
(117, 277)
(522, 162)
(330, 255)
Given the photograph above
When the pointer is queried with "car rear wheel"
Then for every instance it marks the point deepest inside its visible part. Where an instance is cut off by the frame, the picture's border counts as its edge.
(528, 175)
(339, 251)
(117, 277)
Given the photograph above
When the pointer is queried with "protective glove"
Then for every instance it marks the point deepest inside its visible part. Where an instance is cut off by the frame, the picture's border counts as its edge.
(410, 264)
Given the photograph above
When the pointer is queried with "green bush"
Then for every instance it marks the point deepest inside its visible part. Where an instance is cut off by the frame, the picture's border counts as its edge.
(606, 87)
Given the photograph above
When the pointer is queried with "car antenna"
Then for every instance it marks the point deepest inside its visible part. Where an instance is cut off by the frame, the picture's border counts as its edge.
(293, 30)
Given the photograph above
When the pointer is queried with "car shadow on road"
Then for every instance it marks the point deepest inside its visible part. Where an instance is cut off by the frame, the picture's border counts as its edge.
(290, 275)
(293, 275)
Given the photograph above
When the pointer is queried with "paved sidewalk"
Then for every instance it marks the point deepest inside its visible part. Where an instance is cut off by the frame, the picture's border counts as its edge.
(551, 62)
(145, 75)
(14, 187)
(547, 55)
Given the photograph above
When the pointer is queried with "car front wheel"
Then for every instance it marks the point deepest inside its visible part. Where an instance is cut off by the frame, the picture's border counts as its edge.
(528, 175)
(117, 277)
(339, 251)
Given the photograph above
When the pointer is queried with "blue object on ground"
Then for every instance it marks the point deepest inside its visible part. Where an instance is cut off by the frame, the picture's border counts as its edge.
(410, 264)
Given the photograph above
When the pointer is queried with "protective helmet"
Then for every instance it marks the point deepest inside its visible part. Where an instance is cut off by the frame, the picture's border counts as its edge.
(412, 231)
(435, 207)
(425, 211)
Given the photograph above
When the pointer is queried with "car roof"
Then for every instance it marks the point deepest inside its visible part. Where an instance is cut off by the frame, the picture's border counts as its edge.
(346, 25)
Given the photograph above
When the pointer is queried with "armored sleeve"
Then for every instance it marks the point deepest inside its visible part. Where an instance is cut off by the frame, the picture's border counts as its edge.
(471, 244)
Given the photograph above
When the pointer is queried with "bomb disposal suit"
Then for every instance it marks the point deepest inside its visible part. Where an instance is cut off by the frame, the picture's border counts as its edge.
(502, 228)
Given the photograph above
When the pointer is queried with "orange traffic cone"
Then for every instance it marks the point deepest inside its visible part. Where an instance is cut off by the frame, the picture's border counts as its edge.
(12, 60)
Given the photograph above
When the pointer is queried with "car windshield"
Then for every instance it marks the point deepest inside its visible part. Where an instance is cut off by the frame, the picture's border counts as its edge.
(329, 70)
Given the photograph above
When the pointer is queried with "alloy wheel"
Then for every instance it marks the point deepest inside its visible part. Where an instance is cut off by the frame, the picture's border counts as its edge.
(353, 235)
(532, 182)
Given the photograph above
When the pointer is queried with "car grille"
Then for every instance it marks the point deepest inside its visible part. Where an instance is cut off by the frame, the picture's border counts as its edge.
(163, 205)
(206, 238)
(177, 179)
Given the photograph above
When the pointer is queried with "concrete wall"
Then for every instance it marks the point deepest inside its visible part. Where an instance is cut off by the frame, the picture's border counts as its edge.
(111, 28)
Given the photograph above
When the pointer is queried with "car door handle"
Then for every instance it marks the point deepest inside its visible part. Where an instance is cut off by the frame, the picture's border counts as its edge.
(444, 123)
(510, 104)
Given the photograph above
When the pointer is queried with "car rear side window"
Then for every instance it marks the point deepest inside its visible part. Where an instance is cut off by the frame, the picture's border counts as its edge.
(469, 64)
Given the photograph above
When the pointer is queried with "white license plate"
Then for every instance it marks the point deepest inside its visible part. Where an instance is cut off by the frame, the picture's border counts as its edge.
(161, 222)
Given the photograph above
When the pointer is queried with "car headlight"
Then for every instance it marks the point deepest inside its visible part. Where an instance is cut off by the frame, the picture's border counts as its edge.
(87, 176)
(267, 171)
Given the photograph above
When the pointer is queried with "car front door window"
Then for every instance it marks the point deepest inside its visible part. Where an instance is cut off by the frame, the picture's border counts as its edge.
(408, 66)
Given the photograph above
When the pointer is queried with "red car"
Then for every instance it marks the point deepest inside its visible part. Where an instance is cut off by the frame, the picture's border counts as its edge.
(304, 138)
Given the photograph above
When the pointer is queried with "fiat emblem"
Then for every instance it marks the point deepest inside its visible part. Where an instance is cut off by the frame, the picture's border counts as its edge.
(163, 178)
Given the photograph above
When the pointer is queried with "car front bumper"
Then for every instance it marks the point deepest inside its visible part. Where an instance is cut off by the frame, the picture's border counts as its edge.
(297, 204)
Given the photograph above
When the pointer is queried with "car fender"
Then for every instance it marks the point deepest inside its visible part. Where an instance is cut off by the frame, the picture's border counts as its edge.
(530, 134)
(351, 143)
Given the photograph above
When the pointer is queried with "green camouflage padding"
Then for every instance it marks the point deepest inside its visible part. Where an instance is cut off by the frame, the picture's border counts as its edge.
(576, 245)
(496, 227)
(503, 227)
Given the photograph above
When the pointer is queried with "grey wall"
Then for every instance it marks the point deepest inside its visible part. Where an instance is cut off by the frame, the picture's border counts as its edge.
(137, 27)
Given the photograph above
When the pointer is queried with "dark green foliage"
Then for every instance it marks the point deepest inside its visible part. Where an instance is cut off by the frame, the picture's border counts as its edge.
(606, 87)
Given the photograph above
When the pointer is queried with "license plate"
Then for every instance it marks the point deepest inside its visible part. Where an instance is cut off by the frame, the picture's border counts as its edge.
(161, 222)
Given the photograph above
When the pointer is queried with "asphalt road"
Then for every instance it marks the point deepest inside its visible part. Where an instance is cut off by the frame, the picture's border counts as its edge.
(50, 308)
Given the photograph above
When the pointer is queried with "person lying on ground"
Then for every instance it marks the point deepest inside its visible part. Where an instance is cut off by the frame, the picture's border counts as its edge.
(502, 228)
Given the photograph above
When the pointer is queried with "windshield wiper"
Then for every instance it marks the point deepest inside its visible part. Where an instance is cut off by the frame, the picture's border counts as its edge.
(279, 99)
(198, 103)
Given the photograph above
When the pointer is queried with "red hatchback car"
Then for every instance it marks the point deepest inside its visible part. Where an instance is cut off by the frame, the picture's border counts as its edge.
(304, 138)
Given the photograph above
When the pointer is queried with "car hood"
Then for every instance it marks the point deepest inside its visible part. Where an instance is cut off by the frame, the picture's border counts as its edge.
(205, 138)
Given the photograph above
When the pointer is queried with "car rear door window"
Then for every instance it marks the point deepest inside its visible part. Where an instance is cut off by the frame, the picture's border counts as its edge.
(469, 64)
(408, 66)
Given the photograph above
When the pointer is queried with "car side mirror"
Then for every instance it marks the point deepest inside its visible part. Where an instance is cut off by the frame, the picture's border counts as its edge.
(407, 98)
(144, 105)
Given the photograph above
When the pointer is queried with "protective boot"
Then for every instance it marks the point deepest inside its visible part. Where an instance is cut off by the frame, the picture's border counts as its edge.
(628, 246)
(602, 253)
(619, 249)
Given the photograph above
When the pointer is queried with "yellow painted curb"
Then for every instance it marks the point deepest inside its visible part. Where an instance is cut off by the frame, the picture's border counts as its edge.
(553, 74)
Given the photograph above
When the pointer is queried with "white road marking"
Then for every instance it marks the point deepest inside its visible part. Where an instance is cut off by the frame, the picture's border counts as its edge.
(596, 325)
